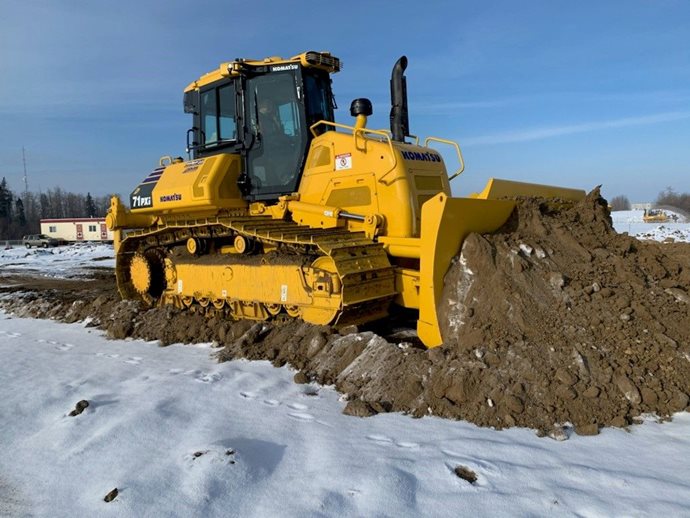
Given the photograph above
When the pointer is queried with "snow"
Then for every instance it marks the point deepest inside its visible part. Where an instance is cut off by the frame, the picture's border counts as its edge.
(59, 262)
(631, 221)
(295, 454)
(181, 435)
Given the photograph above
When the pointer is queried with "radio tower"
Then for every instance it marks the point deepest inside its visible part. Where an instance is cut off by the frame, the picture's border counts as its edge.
(26, 178)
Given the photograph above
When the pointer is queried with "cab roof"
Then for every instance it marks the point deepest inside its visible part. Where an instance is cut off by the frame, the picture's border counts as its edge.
(310, 59)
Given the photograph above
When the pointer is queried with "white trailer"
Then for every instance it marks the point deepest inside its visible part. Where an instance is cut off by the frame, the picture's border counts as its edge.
(77, 229)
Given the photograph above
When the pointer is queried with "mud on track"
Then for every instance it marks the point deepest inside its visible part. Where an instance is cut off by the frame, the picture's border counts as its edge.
(556, 318)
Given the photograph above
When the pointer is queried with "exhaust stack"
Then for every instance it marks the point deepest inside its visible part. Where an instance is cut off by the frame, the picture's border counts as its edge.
(400, 126)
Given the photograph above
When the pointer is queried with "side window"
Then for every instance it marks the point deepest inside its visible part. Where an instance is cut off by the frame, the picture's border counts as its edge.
(218, 115)
(209, 110)
(226, 114)
(318, 101)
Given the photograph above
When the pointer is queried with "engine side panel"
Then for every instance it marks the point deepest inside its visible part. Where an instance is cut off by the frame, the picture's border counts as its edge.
(366, 175)
(205, 184)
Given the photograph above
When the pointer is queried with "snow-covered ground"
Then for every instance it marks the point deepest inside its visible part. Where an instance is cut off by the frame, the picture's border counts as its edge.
(631, 221)
(181, 435)
(61, 262)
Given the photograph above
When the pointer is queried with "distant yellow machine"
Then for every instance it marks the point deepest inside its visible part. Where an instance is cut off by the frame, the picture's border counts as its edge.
(655, 216)
(279, 209)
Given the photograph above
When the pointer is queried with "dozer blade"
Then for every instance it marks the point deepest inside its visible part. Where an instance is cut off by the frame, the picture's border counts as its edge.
(496, 188)
(446, 222)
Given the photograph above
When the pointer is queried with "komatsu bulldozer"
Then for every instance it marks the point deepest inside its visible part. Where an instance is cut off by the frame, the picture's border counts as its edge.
(280, 210)
(654, 216)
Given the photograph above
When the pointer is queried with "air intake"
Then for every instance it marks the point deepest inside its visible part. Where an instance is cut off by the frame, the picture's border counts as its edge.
(327, 61)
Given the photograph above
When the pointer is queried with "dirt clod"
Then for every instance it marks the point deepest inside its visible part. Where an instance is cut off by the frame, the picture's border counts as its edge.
(628, 389)
(79, 408)
(587, 429)
(301, 378)
(465, 473)
(111, 495)
(359, 408)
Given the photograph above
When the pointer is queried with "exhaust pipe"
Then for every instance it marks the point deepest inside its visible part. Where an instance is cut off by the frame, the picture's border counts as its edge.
(400, 126)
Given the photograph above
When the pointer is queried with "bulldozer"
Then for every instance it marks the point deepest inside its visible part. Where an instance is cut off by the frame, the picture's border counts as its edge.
(278, 210)
(654, 216)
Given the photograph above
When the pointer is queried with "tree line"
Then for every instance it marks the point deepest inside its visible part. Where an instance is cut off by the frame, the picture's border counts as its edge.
(667, 198)
(21, 214)
(670, 198)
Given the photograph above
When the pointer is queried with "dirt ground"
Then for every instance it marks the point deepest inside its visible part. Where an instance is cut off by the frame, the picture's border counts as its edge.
(554, 319)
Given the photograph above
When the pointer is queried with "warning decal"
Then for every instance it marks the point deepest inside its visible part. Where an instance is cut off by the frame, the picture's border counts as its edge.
(343, 161)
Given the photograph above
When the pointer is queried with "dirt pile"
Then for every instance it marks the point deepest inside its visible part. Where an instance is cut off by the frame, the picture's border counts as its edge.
(556, 318)
(558, 315)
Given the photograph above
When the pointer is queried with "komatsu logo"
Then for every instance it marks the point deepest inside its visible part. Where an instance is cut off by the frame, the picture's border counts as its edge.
(280, 68)
(424, 157)
(141, 201)
(171, 197)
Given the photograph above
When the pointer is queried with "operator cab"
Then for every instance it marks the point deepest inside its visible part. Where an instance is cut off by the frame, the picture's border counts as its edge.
(262, 110)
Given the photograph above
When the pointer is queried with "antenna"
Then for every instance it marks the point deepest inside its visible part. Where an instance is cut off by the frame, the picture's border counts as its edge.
(26, 179)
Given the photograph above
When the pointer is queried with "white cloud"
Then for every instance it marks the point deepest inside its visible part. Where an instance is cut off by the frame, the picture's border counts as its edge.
(453, 106)
(678, 97)
(556, 131)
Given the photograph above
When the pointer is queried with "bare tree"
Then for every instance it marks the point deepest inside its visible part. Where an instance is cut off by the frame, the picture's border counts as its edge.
(620, 203)
(670, 198)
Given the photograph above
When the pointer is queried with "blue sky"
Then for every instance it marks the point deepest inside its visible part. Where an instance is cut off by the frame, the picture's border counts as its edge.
(559, 92)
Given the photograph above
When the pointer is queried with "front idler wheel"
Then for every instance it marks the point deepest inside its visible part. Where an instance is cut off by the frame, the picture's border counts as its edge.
(147, 275)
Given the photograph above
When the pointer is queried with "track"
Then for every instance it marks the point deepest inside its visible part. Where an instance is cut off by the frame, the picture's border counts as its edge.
(324, 276)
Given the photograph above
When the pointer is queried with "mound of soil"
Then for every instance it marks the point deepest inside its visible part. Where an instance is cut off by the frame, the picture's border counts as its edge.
(558, 315)
(555, 318)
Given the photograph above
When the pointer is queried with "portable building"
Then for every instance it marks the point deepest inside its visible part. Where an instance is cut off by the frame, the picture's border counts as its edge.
(77, 229)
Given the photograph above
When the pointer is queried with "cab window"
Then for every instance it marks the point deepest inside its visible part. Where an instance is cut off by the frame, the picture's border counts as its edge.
(319, 101)
(218, 115)
(227, 123)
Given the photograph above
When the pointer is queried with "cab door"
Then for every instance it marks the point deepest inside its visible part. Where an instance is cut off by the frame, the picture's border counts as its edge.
(279, 136)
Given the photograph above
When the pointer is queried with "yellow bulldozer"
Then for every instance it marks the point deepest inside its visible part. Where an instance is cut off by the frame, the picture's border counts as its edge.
(280, 210)
(654, 216)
